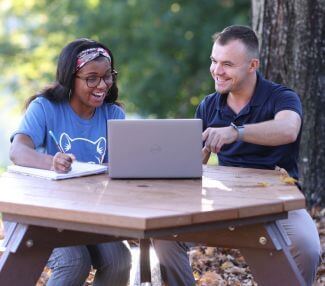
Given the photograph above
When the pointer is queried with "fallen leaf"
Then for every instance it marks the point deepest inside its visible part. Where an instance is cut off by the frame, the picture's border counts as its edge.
(282, 171)
(263, 184)
(227, 265)
(210, 278)
(210, 251)
(236, 270)
(196, 275)
(288, 180)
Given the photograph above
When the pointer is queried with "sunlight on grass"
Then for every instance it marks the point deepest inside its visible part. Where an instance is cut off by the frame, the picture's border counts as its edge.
(213, 160)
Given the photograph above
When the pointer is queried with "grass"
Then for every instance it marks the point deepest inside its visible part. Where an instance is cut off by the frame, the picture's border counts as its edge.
(3, 168)
(213, 160)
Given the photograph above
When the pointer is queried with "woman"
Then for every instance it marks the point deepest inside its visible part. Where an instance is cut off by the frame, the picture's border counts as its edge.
(75, 109)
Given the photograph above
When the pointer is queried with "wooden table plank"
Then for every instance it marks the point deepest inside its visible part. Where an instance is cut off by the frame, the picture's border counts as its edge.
(223, 193)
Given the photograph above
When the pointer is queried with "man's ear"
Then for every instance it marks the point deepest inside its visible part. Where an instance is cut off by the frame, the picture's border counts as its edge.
(254, 65)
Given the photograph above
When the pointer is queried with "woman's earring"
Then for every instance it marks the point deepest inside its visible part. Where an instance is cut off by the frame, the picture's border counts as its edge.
(69, 94)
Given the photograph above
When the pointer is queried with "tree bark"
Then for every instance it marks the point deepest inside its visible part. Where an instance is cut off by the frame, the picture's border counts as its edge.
(292, 44)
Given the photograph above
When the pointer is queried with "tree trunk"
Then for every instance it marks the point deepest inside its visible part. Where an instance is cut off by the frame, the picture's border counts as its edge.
(292, 38)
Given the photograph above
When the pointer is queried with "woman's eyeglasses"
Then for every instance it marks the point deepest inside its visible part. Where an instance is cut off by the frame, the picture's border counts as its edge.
(93, 81)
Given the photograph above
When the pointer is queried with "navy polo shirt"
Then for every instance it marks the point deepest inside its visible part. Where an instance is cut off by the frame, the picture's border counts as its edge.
(268, 99)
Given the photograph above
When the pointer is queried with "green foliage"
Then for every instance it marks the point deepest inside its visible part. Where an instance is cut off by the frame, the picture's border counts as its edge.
(161, 48)
(213, 160)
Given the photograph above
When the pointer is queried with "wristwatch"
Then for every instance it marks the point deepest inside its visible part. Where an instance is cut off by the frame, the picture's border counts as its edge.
(239, 129)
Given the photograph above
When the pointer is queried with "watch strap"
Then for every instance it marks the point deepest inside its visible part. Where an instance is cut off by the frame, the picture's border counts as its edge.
(239, 129)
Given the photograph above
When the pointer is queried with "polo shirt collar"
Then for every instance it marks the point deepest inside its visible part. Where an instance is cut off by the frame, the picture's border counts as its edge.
(260, 94)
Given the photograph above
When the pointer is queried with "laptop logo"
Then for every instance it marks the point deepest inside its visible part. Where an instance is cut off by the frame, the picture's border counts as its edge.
(155, 149)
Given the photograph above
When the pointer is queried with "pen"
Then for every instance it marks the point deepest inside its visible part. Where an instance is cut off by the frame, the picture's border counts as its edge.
(56, 141)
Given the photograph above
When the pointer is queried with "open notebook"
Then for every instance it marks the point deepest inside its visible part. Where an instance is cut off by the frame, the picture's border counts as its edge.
(78, 169)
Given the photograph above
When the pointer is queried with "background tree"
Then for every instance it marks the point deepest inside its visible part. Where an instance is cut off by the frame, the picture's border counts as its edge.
(162, 48)
(292, 35)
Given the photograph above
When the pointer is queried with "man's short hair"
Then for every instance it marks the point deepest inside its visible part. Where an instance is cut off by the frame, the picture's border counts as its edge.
(236, 32)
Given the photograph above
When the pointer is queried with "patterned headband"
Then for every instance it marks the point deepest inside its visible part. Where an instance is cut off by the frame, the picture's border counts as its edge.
(90, 54)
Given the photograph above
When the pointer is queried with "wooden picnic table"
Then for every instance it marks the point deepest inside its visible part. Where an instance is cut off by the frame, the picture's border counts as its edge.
(229, 207)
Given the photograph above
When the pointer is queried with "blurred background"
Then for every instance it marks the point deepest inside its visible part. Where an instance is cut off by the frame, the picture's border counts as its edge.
(161, 49)
(162, 54)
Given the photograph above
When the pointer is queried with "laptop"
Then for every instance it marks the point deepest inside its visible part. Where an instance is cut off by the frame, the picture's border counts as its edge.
(155, 148)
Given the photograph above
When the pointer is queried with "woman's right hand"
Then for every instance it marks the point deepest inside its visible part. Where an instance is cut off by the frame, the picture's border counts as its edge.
(62, 162)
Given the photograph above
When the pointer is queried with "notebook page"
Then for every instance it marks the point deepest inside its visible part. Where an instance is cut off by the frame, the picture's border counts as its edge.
(78, 169)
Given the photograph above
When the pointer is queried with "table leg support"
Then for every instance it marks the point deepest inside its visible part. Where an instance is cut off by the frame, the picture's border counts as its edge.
(20, 252)
(265, 247)
(145, 273)
(28, 248)
(277, 266)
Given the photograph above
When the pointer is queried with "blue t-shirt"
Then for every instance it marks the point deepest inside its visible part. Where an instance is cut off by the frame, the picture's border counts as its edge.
(268, 99)
(85, 138)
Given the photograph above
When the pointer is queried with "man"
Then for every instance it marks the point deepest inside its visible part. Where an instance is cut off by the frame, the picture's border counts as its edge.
(248, 122)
